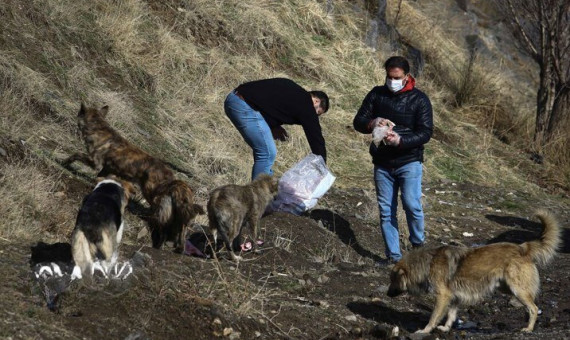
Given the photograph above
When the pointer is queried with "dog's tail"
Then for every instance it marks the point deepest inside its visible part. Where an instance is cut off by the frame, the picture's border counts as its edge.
(81, 251)
(543, 250)
(183, 202)
(175, 209)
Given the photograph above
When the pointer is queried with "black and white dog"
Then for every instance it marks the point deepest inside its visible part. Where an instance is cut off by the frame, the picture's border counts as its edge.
(99, 228)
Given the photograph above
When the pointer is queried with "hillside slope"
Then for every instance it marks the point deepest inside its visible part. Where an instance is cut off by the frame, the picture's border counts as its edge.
(164, 68)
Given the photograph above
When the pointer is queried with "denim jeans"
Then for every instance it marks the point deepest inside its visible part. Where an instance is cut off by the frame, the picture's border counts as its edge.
(407, 179)
(255, 132)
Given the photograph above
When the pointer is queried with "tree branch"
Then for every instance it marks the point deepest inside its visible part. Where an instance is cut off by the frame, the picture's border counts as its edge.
(526, 39)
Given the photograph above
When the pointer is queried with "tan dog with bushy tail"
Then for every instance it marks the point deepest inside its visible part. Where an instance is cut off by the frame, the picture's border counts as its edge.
(460, 275)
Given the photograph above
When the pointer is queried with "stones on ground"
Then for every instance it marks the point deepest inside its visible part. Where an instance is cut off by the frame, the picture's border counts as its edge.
(515, 302)
(351, 318)
(323, 279)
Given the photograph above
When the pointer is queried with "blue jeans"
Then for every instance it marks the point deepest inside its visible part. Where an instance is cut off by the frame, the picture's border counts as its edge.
(255, 132)
(407, 179)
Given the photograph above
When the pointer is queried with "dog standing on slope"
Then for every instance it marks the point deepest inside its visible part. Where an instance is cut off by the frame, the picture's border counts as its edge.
(460, 275)
(232, 206)
(171, 225)
(99, 227)
(171, 200)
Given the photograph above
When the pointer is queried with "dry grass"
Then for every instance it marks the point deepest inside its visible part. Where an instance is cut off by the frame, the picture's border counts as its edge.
(29, 201)
(165, 69)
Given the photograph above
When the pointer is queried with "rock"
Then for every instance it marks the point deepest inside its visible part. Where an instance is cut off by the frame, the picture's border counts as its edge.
(467, 325)
(351, 318)
(382, 288)
(323, 279)
(142, 233)
(3, 152)
(515, 302)
(228, 331)
(139, 335)
(357, 331)
(140, 260)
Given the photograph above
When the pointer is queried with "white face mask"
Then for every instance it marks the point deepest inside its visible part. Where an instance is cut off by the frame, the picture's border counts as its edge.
(395, 85)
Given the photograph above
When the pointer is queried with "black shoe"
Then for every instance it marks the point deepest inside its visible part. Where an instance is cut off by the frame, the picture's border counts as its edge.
(385, 263)
(417, 245)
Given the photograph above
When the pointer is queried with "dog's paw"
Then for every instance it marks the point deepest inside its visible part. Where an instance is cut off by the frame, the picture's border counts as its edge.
(444, 329)
(121, 271)
(76, 274)
(423, 331)
(526, 330)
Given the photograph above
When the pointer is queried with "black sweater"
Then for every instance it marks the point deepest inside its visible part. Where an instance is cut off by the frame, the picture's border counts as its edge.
(411, 112)
(282, 101)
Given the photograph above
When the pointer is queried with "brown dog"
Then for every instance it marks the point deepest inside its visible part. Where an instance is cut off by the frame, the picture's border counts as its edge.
(171, 200)
(232, 206)
(167, 224)
(460, 275)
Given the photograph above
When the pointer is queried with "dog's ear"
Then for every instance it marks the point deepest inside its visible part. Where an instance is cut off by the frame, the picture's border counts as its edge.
(104, 110)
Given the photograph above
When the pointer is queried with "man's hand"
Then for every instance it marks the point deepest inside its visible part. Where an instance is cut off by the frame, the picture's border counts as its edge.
(379, 122)
(392, 138)
(279, 133)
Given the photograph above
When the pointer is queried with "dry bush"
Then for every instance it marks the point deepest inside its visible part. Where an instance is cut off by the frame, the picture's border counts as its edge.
(29, 201)
(557, 153)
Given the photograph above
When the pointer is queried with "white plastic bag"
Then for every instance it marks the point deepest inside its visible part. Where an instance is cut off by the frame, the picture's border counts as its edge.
(302, 185)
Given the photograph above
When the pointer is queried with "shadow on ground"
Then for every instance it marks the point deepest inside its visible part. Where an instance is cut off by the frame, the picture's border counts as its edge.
(531, 231)
(382, 313)
(340, 226)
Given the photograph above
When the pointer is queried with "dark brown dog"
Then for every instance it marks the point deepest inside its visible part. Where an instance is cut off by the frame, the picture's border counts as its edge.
(232, 206)
(110, 153)
(167, 224)
(461, 275)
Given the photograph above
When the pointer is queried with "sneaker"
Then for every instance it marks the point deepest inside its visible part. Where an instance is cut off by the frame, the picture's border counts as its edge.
(385, 263)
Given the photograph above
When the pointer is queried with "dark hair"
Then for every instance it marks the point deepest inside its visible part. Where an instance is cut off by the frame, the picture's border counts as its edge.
(399, 62)
(323, 97)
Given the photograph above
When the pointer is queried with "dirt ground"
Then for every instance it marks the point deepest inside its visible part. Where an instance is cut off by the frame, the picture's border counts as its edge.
(314, 279)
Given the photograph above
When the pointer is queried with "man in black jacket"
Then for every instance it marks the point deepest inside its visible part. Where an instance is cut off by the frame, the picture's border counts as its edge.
(259, 108)
(407, 114)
